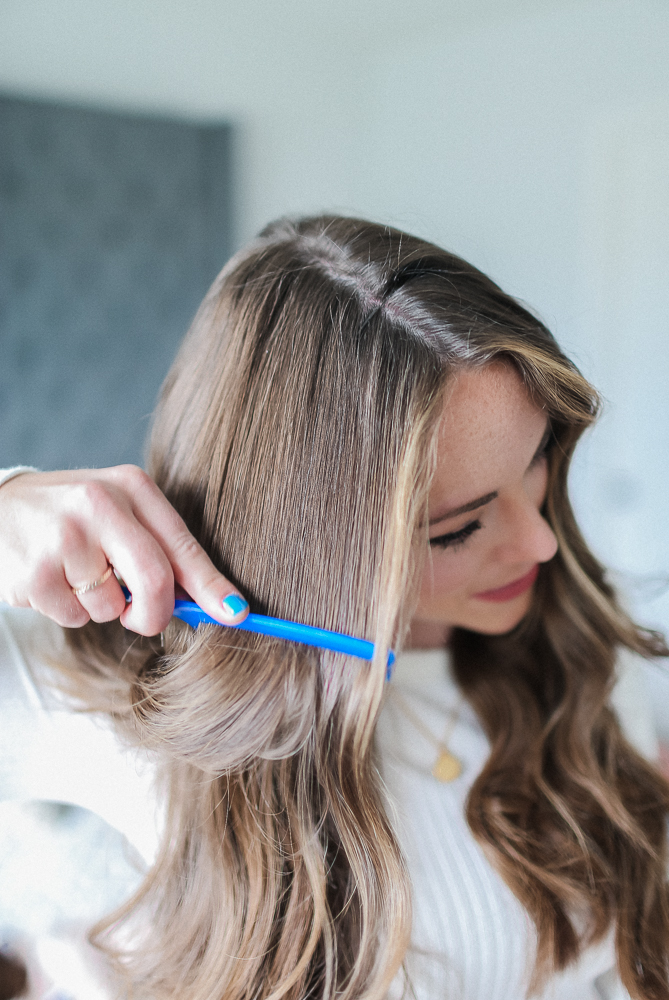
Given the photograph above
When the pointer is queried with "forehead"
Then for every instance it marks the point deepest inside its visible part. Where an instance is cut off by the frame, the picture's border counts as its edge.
(489, 431)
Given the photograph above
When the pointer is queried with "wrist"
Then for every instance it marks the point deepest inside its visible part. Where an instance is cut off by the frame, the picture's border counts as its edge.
(17, 470)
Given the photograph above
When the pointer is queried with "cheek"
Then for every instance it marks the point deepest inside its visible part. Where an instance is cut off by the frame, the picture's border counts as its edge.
(448, 573)
(537, 483)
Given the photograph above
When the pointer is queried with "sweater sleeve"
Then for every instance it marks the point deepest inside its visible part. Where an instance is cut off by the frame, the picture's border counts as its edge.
(51, 752)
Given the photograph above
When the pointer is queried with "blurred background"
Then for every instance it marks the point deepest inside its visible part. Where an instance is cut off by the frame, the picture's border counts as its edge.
(141, 142)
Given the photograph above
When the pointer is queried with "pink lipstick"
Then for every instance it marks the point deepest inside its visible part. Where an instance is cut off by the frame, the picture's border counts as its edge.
(510, 590)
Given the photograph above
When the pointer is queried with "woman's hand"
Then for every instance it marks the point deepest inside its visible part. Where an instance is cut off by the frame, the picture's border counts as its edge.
(61, 531)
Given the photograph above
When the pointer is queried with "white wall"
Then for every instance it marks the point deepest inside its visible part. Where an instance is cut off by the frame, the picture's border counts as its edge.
(532, 136)
(539, 148)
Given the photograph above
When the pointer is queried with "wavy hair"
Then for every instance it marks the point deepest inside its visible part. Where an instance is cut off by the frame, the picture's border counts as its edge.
(296, 436)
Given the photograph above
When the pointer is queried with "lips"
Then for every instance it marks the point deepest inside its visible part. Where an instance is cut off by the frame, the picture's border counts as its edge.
(510, 590)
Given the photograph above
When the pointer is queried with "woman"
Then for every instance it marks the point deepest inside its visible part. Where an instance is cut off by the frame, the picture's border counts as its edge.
(364, 433)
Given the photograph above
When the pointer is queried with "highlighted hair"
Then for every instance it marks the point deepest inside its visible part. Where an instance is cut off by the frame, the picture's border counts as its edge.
(295, 434)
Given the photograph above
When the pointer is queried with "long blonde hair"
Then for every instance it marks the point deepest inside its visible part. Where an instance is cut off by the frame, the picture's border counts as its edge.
(294, 434)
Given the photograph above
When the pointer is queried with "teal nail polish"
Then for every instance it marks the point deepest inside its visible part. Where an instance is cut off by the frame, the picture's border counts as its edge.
(233, 605)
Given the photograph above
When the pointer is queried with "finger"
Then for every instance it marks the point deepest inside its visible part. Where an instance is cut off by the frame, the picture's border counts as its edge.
(192, 567)
(101, 528)
(196, 573)
(95, 578)
(105, 602)
(146, 571)
(89, 574)
(52, 596)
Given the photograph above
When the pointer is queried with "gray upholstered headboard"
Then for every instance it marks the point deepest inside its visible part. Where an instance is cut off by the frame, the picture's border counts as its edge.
(111, 229)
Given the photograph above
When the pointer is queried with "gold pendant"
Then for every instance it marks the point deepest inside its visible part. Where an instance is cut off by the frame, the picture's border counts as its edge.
(447, 767)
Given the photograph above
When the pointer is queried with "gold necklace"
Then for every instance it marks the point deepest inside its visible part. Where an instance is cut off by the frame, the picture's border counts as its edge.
(447, 767)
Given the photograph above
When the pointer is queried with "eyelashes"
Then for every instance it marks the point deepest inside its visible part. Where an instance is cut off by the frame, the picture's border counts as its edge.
(547, 443)
(456, 538)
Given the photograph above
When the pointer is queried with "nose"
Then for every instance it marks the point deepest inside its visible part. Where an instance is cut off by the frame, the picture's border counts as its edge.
(528, 537)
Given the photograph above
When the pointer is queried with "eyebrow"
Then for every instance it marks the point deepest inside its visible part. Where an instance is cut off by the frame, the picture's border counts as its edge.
(466, 507)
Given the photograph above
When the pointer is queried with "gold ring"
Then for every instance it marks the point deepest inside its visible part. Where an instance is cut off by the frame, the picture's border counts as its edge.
(77, 591)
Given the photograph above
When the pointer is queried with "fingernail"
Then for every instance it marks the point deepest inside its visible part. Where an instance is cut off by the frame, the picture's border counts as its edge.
(233, 605)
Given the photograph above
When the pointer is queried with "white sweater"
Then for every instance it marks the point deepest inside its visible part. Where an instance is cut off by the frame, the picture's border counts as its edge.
(471, 940)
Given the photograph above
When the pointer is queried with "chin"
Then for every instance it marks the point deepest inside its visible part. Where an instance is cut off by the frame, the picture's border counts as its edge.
(495, 629)
(499, 619)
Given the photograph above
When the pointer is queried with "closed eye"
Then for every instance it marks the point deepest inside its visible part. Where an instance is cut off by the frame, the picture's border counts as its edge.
(547, 442)
(455, 538)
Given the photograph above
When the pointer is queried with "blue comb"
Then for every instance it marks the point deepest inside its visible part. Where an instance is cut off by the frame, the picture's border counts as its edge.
(193, 615)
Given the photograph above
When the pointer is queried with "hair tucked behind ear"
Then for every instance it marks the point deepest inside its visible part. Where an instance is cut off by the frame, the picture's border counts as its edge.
(294, 435)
